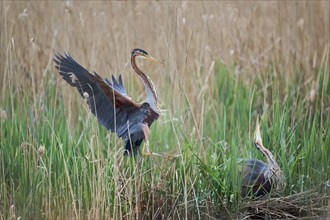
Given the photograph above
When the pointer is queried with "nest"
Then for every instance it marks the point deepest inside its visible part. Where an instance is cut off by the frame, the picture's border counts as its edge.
(308, 204)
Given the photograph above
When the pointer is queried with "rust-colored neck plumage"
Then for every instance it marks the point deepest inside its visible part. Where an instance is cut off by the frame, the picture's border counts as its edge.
(270, 158)
(152, 97)
(276, 174)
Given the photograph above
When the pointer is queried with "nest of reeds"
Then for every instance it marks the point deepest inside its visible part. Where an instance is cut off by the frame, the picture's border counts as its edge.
(308, 204)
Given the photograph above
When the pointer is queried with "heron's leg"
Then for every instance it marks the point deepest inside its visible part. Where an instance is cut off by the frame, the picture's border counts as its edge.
(147, 152)
(145, 149)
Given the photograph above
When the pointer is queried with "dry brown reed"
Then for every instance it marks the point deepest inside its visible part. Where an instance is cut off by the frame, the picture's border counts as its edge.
(289, 207)
(189, 36)
(250, 38)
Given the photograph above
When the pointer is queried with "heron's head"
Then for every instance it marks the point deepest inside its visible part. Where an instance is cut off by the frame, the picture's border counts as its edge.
(139, 53)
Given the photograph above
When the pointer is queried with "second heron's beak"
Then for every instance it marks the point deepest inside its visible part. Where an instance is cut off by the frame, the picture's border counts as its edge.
(152, 59)
(257, 135)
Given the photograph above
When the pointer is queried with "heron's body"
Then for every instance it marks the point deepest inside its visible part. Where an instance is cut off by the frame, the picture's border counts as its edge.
(258, 177)
(109, 102)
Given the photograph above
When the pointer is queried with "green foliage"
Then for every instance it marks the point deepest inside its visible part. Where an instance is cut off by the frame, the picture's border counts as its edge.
(83, 172)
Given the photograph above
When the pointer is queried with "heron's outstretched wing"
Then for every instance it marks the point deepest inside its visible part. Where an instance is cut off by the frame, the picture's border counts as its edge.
(117, 85)
(112, 108)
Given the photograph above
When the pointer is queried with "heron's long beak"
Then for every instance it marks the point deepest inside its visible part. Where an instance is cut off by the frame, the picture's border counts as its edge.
(257, 135)
(153, 59)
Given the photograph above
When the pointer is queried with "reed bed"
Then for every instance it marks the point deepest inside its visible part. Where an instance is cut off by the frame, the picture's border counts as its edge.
(225, 64)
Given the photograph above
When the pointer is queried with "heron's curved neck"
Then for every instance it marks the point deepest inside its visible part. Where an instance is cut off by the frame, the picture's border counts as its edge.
(152, 97)
(270, 158)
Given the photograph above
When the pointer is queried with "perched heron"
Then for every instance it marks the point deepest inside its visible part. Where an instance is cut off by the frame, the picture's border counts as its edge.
(110, 103)
(260, 178)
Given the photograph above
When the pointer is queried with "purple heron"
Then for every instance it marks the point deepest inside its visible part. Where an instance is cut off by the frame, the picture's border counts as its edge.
(111, 105)
(260, 178)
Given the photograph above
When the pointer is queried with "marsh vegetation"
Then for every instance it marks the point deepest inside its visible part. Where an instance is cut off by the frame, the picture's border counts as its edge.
(226, 63)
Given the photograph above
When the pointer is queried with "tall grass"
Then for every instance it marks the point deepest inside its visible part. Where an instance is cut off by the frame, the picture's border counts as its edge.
(226, 64)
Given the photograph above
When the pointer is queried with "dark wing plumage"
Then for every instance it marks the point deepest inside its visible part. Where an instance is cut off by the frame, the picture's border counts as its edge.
(256, 180)
(117, 85)
(107, 101)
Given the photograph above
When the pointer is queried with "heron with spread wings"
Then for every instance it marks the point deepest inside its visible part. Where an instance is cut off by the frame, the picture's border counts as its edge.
(111, 105)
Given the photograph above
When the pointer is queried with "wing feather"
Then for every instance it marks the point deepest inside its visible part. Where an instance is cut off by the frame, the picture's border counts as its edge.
(117, 85)
(107, 101)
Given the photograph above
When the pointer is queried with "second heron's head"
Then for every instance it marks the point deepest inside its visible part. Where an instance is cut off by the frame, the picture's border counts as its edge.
(139, 53)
